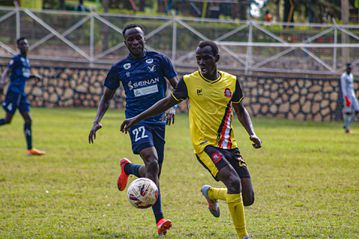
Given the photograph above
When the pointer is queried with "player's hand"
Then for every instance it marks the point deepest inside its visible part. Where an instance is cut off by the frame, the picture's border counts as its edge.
(348, 102)
(37, 77)
(257, 143)
(127, 123)
(170, 116)
(92, 136)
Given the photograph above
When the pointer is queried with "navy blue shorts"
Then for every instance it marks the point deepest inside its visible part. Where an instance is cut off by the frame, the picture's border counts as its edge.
(15, 101)
(145, 136)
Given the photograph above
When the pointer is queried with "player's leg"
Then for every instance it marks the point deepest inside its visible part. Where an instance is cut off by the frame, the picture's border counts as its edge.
(128, 168)
(7, 119)
(348, 118)
(212, 161)
(141, 138)
(27, 128)
(247, 191)
(216, 163)
(28, 135)
(156, 138)
(356, 109)
(10, 106)
(150, 158)
(158, 134)
(163, 225)
(230, 178)
(24, 108)
(236, 160)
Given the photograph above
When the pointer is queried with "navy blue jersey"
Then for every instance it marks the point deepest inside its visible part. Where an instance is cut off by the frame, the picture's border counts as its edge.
(143, 81)
(20, 72)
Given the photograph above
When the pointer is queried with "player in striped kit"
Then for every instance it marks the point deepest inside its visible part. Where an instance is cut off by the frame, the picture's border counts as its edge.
(213, 95)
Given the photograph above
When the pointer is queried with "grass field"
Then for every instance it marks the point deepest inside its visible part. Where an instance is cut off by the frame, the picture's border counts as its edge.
(306, 179)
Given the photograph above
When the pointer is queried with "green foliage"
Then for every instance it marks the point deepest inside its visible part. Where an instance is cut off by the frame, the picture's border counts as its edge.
(305, 177)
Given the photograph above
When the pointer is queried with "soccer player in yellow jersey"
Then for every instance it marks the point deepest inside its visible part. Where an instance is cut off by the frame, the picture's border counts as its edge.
(213, 95)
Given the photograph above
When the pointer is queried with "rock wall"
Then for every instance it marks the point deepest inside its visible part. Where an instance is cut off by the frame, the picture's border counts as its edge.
(317, 99)
(298, 98)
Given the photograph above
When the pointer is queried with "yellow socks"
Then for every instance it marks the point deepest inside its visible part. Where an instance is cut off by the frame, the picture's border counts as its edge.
(236, 208)
(217, 193)
(235, 205)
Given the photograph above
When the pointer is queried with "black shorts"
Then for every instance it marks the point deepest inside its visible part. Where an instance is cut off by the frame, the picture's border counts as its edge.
(214, 159)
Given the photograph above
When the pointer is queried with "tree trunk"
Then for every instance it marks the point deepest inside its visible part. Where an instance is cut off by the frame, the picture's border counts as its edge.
(105, 29)
(345, 21)
(105, 5)
(277, 10)
(62, 4)
(243, 10)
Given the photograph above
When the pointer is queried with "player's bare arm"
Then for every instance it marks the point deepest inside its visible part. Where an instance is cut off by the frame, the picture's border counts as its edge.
(173, 81)
(159, 107)
(4, 77)
(170, 113)
(102, 108)
(245, 119)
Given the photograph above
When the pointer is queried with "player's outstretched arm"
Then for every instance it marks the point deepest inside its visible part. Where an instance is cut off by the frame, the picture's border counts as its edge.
(155, 109)
(245, 119)
(102, 108)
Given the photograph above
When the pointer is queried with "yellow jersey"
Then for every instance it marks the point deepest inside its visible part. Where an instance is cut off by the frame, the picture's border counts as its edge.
(210, 108)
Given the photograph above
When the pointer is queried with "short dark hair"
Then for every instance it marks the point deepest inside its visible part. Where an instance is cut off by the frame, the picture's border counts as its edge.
(349, 65)
(20, 39)
(130, 26)
(211, 44)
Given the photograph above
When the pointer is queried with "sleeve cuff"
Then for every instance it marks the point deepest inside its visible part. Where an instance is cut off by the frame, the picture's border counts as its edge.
(174, 97)
(239, 101)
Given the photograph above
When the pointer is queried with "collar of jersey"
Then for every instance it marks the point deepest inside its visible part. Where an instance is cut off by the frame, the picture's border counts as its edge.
(211, 81)
(132, 57)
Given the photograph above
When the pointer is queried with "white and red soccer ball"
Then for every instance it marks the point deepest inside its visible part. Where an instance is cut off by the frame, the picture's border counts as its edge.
(142, 193)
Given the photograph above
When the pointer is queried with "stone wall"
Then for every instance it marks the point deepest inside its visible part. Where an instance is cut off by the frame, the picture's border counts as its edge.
(284, 97)
(68, 87)
(317, 99)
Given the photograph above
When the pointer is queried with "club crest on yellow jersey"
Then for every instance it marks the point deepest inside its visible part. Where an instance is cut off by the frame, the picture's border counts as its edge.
(227, 93)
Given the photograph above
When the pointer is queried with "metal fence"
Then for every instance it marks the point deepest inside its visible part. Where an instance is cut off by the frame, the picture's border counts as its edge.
(250, 46)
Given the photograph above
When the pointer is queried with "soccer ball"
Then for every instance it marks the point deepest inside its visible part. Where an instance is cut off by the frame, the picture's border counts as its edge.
(142, 193)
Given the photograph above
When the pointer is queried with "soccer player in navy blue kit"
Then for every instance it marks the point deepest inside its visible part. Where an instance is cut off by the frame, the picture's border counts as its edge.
(16, 98)
(143, 76)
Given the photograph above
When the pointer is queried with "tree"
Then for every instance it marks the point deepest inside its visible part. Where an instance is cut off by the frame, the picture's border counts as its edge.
(105, 29)
(345, 20)
(62, 4)
(277, 10)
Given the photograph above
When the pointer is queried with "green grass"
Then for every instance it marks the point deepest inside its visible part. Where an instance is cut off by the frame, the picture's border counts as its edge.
(306, 179)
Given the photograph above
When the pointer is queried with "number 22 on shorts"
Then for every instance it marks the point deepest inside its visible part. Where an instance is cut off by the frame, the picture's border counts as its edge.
(139, 133)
